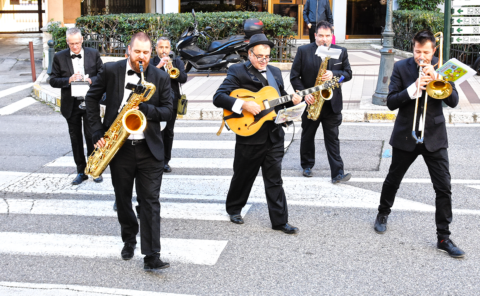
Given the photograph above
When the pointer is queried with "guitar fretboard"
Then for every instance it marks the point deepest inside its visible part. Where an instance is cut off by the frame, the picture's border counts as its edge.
(288, 98)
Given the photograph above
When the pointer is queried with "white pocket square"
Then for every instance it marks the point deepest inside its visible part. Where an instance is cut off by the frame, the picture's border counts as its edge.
(337, 63)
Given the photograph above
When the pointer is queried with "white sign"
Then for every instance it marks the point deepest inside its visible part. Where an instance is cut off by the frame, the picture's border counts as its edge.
(466, 10)
(466, 30)
(464, 2)
(465, 39)
(465, 21)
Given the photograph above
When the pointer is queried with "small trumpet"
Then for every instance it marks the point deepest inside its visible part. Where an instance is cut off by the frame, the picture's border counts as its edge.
(171, 70)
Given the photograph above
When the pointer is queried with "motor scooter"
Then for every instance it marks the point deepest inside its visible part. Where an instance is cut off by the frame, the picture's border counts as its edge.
(220, 52)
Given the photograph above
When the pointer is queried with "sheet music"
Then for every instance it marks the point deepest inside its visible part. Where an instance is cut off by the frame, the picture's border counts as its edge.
(333, 53)
(290, 114)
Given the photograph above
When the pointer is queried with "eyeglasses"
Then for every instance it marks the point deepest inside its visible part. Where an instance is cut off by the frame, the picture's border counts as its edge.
(261, 59)
(74, 44)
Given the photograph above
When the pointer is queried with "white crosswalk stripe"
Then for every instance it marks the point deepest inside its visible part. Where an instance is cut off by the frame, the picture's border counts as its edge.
(193, 251)
(28, 289)
(14, 107)
(15, 89)
(100, 208)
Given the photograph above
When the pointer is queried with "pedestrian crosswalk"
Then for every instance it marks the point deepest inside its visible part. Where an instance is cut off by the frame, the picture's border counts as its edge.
(185, 198)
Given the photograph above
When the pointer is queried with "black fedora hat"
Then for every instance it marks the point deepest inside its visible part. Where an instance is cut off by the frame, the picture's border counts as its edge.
(259, 39)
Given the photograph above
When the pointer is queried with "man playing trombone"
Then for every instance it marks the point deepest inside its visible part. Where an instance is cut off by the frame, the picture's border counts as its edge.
(407, 93)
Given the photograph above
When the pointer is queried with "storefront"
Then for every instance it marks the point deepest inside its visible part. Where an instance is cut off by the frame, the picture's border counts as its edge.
(354, 19)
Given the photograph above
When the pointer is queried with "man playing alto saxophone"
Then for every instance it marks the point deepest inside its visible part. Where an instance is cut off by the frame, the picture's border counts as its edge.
(304, 68)
(140, 159)
(161, 61)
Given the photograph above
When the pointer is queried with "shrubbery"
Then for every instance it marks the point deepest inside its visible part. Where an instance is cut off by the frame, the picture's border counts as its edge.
(406, 23)
(427, 5)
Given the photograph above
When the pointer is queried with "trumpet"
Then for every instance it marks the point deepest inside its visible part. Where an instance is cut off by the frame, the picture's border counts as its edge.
(171, 70)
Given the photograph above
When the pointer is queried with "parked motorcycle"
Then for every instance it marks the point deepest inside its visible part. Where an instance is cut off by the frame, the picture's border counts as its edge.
(220, 52)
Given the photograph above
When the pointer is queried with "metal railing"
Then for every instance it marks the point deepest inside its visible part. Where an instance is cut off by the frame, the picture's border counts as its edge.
(98, 7)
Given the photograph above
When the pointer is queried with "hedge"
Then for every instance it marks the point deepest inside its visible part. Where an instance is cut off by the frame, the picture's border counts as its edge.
(406, 23)
(173, 25)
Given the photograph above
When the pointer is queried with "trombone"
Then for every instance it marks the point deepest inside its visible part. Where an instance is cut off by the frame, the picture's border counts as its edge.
(438, 89)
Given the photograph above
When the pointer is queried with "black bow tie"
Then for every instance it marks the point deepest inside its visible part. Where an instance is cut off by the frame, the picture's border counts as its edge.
(131, 72)
(76, 56)
(263, 71)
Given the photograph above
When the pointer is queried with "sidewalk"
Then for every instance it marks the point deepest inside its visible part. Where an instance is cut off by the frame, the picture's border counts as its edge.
(357, 93)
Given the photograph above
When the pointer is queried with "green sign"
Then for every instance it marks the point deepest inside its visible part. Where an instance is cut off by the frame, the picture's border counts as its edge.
(465, 21)
(466, 30)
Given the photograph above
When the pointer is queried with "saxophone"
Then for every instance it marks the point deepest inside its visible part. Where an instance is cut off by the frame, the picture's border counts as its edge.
(320, 96)
(128, 121)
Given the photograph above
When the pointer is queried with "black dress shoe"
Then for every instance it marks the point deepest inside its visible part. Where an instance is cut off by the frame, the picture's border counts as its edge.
(288, 229)
(341, 178)
(307, 172)
(115, 206)
(79, 179)
(98, 180)
(153, 262)
(381, 223)
(446, 245)
(128, 251)
(167, 169)
(237, 219)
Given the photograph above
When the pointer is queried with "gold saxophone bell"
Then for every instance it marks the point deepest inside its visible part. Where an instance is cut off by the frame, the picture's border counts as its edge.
(439, 88)
(172, 71)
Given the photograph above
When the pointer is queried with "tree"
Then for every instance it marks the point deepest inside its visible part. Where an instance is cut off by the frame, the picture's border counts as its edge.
(430, 5)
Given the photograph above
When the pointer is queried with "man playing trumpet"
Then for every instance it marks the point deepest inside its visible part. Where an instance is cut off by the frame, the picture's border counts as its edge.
(406, 87)
(161, 61)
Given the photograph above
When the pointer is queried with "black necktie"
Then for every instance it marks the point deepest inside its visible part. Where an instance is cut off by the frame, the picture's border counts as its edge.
(76, 56)
(131, 72)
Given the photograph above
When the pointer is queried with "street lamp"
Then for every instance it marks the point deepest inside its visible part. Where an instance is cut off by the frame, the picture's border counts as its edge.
(387, 60)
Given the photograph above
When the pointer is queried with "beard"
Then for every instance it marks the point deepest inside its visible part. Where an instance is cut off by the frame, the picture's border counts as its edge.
(134, 63)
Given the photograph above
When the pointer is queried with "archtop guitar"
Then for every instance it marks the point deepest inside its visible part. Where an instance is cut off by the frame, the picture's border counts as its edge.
(247, 124)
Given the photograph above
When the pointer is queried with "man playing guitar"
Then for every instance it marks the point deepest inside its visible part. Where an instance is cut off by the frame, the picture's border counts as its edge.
(263, 149)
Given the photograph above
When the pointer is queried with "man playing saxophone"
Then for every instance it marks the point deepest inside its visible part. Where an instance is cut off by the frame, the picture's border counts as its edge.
(163, 62)
(140, 159)
(303, 75)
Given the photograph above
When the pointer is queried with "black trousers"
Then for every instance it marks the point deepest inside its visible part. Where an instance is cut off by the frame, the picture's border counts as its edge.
(330, 123)
(438, 167)
(167, 135)
(137, 163)
(247, 163)
(311, 32)
(75, 126)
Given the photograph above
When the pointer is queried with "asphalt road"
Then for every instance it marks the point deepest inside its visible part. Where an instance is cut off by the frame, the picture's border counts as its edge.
(336, 252)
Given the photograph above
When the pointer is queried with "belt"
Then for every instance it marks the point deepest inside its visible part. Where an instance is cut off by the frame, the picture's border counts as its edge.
(135, 142)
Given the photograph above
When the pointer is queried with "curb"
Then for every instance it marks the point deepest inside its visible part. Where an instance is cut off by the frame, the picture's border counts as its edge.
(451, 116)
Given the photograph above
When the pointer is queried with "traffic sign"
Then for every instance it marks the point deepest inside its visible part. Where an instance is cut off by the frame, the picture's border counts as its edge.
(465, 39)
(466, 30)
(465, 21)
(464, 2)
(466, 10)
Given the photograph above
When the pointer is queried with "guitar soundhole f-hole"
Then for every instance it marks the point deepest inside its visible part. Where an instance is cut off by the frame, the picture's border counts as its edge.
(245, 124)
(238, 128)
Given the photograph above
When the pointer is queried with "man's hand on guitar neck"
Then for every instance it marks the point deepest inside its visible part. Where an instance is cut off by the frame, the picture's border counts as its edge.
(251, 107)
(296, 99)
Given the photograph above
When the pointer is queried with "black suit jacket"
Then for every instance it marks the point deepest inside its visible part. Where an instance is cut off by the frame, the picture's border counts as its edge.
(405, 72)
(177, 63)
(62, 69)
(305, 70)
(238, 76)
(111, 79)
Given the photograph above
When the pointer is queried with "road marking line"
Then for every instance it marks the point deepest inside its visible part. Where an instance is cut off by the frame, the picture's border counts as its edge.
(214, 129)
(316, 192)
(16, 288)
(190, 251)
(14, 89)
(14, 107)
(100, 208)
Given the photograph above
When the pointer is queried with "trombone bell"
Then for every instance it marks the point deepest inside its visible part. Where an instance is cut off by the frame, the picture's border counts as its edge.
(440, 88)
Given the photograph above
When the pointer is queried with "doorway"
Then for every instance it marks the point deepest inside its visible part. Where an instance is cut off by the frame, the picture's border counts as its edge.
(365, 18)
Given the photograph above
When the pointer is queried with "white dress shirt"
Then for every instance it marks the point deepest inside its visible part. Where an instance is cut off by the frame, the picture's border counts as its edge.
(78, 63)
(238, 105)
(130, 79)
